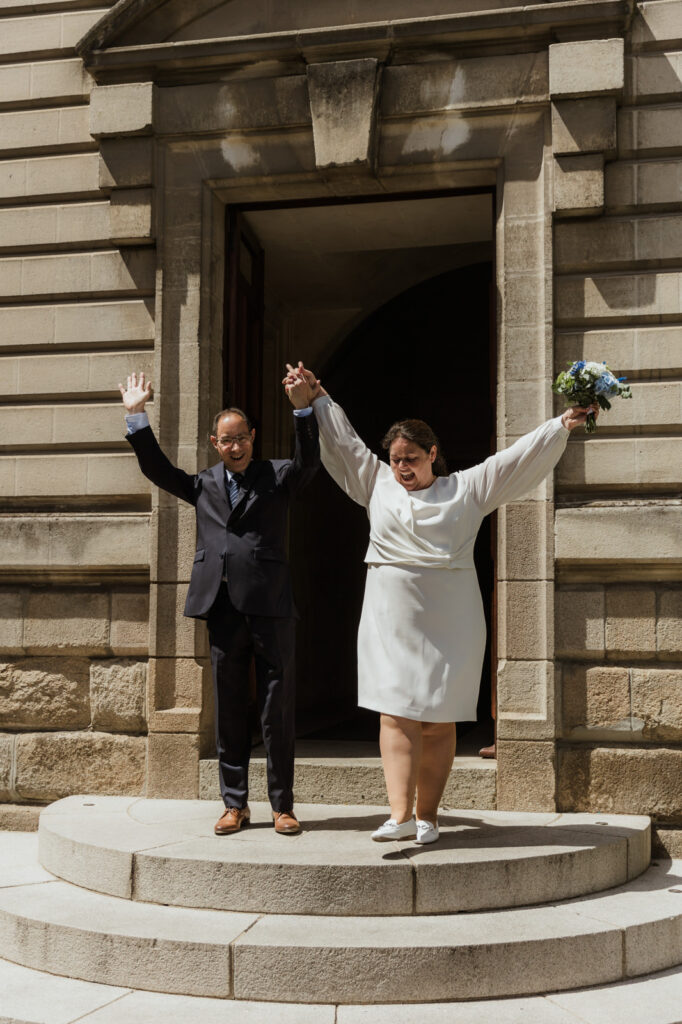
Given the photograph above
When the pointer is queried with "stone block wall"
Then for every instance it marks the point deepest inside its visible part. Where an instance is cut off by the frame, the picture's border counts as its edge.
(92, 578)
(618, 268)
(77, 280)
(73, 679)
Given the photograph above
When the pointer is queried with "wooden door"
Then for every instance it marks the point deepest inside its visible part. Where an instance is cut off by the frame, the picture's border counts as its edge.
(243, 345)
(243, 342)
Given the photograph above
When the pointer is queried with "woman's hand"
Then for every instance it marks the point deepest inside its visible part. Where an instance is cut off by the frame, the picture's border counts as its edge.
(136, 394)
(298, 391)
(576, 416)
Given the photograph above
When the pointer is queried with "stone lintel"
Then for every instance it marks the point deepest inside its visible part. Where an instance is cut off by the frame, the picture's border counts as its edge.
(343, 107)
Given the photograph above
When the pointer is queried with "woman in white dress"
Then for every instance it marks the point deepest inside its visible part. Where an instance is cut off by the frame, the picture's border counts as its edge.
(421, 640)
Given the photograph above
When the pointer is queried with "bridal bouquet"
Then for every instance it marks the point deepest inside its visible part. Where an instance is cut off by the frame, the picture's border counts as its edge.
(585, 383)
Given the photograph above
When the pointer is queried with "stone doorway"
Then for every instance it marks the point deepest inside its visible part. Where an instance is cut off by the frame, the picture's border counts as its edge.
(383, 286)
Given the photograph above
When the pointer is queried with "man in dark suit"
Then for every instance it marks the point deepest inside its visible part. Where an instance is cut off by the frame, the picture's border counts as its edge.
(241, 584)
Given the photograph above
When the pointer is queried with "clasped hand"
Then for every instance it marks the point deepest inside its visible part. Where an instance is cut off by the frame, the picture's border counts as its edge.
(575, 416)
(301, 386)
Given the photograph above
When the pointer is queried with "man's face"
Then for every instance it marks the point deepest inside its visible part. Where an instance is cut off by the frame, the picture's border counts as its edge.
(234, 442)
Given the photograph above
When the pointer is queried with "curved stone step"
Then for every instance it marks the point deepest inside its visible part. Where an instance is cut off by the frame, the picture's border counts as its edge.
(632, 930)
(65, 930)
(163, 851)
(32, 997)
(69, 931)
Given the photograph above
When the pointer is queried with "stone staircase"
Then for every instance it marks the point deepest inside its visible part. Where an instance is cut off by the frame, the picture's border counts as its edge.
(350, 772)
(134, 908)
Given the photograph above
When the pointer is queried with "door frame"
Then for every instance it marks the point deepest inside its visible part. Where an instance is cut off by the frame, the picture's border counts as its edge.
(237, 363)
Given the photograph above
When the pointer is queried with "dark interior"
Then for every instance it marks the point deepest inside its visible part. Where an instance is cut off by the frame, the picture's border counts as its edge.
(425, 354)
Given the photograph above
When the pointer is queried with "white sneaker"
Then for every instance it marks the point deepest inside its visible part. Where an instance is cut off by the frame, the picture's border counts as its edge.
(426, 832)
(392, 830)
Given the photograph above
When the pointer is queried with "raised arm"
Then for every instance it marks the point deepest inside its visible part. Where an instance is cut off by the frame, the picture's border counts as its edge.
(345, 456)
(511, 473)
(516, 470)
(156, 466)
(306, 461)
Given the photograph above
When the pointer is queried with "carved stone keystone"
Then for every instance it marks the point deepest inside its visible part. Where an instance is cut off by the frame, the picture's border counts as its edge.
(343, 108)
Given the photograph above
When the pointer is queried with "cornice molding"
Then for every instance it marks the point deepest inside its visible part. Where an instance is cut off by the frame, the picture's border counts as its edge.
(121, 16)
(536, 26)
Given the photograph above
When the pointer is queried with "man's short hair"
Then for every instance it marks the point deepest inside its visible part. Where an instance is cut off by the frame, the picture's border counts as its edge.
(227, 412)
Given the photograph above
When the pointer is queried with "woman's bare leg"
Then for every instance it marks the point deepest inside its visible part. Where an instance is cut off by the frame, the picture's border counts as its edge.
(439, 740)
(400, 740)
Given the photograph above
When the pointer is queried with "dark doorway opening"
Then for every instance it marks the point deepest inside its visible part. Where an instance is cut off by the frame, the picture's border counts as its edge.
(428, 353)
(301, 280)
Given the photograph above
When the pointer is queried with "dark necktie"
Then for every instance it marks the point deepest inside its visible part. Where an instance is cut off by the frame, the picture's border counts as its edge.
(233, 488)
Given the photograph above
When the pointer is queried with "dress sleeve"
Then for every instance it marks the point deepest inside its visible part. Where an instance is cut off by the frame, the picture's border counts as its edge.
(511, 473)
(345, 456)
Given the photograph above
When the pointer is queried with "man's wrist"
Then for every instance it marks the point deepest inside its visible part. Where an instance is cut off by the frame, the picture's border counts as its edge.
(136, 421)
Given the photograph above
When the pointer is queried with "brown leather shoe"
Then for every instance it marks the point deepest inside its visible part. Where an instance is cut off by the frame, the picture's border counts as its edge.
(232, 820)
(285, 823)
(489, 752)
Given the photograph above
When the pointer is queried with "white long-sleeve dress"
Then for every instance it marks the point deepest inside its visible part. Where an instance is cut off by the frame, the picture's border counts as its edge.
(421, 640)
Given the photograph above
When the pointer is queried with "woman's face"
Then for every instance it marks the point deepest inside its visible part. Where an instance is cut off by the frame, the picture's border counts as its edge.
(412, 466)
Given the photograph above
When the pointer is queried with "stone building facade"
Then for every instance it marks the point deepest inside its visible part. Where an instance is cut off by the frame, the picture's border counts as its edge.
(145, 145)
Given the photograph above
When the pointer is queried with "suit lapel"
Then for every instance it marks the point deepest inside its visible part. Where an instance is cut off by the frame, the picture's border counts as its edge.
(217, 473)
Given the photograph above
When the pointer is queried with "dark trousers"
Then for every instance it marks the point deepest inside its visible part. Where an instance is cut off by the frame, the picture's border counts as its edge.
(234, 639)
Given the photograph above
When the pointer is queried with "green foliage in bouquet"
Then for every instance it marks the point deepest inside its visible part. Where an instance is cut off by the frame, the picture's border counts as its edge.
(585, 383)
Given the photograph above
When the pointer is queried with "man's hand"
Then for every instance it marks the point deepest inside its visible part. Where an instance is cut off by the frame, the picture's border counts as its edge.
(136, 394)
(300, 373)
(576, 416)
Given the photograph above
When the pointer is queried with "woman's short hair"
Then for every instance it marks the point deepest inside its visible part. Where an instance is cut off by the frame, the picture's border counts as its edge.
(233, 411)
(421, 434)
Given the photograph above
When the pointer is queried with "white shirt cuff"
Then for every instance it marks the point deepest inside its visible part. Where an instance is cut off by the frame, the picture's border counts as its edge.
(303, 412)
(136, 421)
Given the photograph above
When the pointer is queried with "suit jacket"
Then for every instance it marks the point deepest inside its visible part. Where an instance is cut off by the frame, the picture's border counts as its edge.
(246, 543)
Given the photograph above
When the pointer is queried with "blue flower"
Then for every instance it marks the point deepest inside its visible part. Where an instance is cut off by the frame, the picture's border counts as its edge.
(577, 367)
(606, 384)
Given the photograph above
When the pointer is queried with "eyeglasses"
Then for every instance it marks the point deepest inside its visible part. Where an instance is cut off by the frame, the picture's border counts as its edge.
(229, 442)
